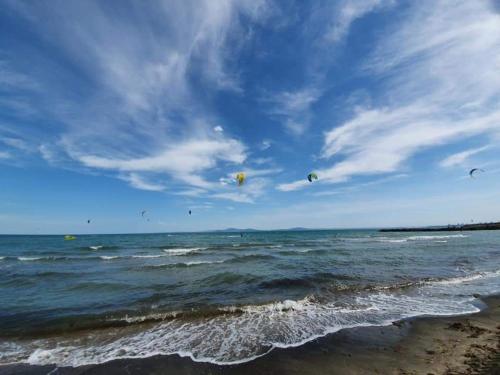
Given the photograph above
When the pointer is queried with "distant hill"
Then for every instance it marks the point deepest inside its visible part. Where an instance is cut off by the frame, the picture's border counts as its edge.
(443, 228)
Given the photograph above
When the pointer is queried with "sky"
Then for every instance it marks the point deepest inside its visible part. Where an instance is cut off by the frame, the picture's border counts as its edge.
(109, 108)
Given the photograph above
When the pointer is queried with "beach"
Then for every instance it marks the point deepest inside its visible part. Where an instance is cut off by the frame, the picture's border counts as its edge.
(468, 344)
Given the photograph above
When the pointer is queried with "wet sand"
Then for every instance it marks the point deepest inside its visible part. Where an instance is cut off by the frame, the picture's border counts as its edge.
(468, 344)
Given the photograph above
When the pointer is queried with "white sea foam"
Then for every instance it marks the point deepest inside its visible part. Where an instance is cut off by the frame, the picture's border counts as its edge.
(107, 257)
(197, 262)
(148, 256)
(468, 278)
(391, 240)
(181, 251)
(436, 237)
(243, 333)
(2, 258)
(95, 247)
(28, 258)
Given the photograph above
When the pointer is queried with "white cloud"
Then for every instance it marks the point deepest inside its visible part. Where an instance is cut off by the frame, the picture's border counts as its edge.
(361, 186)
(184, 161)
(261, 161)
(293, 107)
(5, 155)
(436, 64)
(235, 197)
(265, 144)
(253, 188)
(191, 192)
(48, 153)
(139, 182)
(140, 114)
(460, 157)
(292, 102)
(293, 185)
(252, 172)
(15, 143)
(347, 12)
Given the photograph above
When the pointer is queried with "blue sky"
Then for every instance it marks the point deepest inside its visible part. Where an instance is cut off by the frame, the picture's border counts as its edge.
(108, 108)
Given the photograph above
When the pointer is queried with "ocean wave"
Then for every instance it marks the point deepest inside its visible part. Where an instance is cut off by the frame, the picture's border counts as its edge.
(99, 247)
(389, 240)
(435, 237)
(182, 264)
(109, 257)
(231, 278)
(296, 252)
(181, 251)
(149, 256)
(466, 278)
(245, 332)
(250, 258)
(308, 281)
(28, 259)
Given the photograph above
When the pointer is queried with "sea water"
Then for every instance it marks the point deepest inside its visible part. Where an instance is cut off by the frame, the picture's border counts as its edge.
(224, 297)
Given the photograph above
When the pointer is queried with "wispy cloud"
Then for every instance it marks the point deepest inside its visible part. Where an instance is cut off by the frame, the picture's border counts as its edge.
(348, 11)
(265, 144)
(139, 182)
(425, 104)
(5, 155)
(184, 161)
(361, 186)
(136, 111)
(247, 193)
(460, 157)
(293, 108)
(16, 143)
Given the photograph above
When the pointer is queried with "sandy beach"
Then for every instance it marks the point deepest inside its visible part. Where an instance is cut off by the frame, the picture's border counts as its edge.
(468, 344)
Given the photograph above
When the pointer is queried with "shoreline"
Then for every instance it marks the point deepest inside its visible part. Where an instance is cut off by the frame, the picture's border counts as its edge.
(420, 345)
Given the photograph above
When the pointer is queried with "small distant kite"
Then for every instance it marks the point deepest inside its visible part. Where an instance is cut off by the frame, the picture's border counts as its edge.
(143, 212)
(88, 221)
(312, 176)
(190, 212)
(240, 178)
(474, 170)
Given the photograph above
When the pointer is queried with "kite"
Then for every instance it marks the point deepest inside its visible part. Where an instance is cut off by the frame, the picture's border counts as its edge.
(312, 176)
(240, 178)
(473, 170)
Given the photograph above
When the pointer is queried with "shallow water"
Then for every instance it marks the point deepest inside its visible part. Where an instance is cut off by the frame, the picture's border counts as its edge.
(223, 298)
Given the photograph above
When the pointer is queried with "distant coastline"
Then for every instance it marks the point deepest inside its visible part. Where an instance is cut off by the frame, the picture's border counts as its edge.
(447, 228)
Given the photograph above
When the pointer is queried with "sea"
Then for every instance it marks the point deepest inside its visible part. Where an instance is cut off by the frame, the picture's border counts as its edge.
(227, 298)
